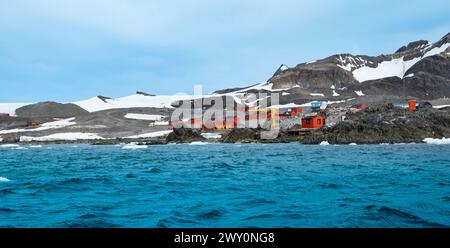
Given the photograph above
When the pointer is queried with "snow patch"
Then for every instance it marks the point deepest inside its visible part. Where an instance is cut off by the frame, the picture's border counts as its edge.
(393, 68)
(441, 106)
(133, 101)
(359, 92)
(317, 94)
(335, 93)
(211, 135)
(144, 117)
(45, 126)
(62, 137)
(150, 135)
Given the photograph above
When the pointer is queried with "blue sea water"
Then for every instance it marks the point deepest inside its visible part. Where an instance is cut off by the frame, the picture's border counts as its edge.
(226, 185)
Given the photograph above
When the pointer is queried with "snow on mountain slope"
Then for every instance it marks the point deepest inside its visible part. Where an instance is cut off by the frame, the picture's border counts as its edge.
(394, 68)
(62, 137)
(44, 126)
(10, 108)
(133, 101)
(144, 117)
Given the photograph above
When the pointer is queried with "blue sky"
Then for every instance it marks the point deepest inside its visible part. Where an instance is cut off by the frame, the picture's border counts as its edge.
(75, 49)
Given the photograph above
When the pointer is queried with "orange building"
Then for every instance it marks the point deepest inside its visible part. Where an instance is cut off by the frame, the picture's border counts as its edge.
(313, 122)
(412, 105)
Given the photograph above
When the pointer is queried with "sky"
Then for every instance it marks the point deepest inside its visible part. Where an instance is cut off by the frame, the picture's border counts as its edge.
(76, 49)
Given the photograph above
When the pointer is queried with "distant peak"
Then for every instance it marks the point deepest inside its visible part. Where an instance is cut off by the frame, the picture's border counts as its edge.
(413, 45)
(104, 98)
(143, 93)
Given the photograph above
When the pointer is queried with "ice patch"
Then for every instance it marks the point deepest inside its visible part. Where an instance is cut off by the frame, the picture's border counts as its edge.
(134, 146)
(324, 143)
(4, 179)
(443, 141)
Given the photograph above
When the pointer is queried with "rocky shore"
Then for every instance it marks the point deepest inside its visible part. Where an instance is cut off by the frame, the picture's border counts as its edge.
(385, 124)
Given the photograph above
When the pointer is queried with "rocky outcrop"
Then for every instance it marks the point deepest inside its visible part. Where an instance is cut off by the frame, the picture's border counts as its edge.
(50, 110)
(184, 135)
(385, 124)
(244, 135)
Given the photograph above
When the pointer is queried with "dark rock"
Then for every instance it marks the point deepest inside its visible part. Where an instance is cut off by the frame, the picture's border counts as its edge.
(384, 124)
(143, 93)
(104, 98)
(412, 45)
(244, 135)
(185, 135)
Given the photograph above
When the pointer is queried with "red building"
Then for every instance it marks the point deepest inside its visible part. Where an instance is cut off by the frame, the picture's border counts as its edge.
(313, 122)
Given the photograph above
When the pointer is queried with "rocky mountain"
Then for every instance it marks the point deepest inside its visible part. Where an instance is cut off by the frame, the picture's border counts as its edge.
(417, 70)
(50, 110)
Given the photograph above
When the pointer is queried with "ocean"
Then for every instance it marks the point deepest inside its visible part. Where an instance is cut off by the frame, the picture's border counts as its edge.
(225, 185)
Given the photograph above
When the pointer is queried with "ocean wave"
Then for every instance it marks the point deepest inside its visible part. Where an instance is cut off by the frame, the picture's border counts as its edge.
(134, 146)
(210, 214)
(4, 179)
(175, 221)
(7, 210)
(198, 143)
(443, 141)
(9, 146)
(324, 143)
(383, 213)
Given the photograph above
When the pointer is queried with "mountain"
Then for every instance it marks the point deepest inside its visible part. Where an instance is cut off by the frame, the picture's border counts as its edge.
(417, 70)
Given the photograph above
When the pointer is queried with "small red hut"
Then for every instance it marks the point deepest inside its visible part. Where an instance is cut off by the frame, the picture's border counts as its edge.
(313, 122)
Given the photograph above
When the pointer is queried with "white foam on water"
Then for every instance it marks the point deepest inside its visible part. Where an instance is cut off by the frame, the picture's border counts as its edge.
(133, 146)
(9, 146)
(198, 143)
(324, 143)
(443, 141)
(35, 146)
(4, 179)
(352, 144)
